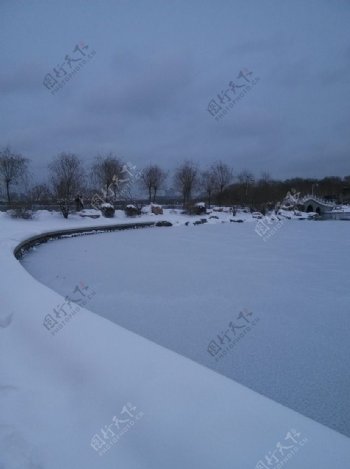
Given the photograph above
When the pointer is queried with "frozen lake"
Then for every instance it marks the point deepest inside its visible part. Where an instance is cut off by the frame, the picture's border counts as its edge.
(274, 316)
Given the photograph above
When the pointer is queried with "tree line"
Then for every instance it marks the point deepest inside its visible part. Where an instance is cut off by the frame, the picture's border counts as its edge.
(218, 183)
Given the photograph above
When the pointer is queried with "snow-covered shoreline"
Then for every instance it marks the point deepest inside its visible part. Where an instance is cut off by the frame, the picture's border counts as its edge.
(56, 393)
(72, 232)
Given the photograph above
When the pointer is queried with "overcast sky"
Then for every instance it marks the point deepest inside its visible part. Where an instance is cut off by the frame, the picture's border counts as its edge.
(144, 94)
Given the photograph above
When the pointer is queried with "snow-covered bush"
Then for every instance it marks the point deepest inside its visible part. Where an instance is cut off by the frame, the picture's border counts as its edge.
(64, 207)
(21, 212)
(146, 209)
(132, 211)
(107, 210)
(156, 209)
(197, 209)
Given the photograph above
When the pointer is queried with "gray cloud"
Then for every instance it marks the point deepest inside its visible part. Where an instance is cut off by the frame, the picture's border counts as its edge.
(145, 93)
(18, 79)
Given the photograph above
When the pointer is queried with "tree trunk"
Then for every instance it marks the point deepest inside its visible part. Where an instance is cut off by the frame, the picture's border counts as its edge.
(154, 194)
(8, 191)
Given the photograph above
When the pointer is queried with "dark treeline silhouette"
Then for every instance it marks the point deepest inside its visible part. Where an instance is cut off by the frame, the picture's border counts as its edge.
(267, 192)
(215, 184)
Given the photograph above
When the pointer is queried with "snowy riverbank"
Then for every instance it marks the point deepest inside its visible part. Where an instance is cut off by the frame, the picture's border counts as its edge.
(59, 394)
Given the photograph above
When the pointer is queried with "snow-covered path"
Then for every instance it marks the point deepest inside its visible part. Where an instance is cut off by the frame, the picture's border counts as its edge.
(57, 392)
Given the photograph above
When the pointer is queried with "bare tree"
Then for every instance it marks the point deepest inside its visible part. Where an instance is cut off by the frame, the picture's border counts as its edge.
(13, 169)
(222, 176)
(146, 181)
(208, 184)
(152, 178)
(39, 193)
(67, 179)
(186, 179)
(106, 170)
(265, 177)
(246, 179)
(246, 182)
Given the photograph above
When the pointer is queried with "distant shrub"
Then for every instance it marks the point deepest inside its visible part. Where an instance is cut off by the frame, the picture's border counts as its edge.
(64, 207)
(107, 210)
(21, 212)
(157, 209)
(132, 211)
(197, 209)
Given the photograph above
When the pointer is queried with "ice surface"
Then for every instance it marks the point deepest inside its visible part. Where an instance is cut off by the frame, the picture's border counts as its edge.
(182, 288)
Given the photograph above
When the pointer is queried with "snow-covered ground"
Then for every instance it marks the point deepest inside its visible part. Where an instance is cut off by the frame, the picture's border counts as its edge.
(59, 391)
